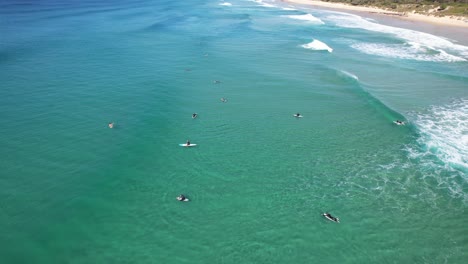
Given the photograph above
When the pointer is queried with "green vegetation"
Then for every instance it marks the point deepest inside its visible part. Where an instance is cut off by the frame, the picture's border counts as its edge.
(436, 8)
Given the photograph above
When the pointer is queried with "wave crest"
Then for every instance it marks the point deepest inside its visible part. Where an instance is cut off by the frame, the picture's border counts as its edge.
(348, 74)
(261, 3)
(317, 45)
(307, 17)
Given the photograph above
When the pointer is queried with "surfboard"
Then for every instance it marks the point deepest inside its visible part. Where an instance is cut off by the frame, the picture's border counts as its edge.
(331, 219)
(185, 200)
(399, 124)
(185, 145)
(297, 116)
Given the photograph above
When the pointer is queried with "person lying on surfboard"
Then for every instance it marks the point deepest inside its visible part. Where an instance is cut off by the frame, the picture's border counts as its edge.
(194, 115)
(182, 198)
(331, 218)
(188, 142)
(298, 114)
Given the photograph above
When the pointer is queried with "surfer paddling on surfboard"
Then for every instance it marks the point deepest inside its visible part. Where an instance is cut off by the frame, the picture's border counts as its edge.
(331, 218)
(398, 122)
(182, 198)
(194, 115)
(187, 144)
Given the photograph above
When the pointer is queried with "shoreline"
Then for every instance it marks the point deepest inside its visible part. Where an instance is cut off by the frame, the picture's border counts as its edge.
(450, 28)
(446, 21)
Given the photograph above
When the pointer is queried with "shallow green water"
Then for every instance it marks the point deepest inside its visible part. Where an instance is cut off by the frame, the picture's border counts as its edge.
(74, 191)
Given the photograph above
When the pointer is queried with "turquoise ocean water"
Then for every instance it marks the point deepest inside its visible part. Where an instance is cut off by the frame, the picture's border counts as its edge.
(74, 191)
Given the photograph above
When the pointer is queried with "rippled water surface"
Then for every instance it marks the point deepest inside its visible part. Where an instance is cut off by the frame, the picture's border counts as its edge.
(74, 191)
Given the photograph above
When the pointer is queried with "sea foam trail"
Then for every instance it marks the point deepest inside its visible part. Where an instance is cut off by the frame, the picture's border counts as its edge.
(418, 45)
(317, 45)
(444, 133)
(306, 17)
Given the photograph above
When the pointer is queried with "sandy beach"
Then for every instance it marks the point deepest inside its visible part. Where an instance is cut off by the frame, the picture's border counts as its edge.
(446, 21)
(451, 28)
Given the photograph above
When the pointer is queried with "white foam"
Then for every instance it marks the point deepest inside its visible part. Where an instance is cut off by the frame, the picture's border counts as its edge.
(444, 133)
(441, 152)
(410, 51)
(418, 45)
(261, 3)
(317, 45)
(225, 4)
(306, 17)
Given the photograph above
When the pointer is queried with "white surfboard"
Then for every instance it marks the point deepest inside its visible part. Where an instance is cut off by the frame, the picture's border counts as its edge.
(336, 220)
(185, 145)
(297, 116)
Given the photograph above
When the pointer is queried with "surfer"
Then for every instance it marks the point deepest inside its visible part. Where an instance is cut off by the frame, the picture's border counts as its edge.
(182, 198)
(194, 115)
(188, 142)
(297, 115)
(331, 218)
(216, 81)
(111, 125)
(224, 100)
(398, 122)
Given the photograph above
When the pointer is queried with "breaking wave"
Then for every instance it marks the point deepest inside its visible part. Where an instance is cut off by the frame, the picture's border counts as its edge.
(348, 74)
(410, 50)
(261, 3)
(317, 45)
(307, 17)
(444, 133)
(416, 45)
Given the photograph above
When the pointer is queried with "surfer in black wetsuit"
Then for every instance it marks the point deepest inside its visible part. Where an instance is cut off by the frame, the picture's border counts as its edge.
(298, 115)
(188, 142)
(181, 198)
(329, 216)
(194, 115)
